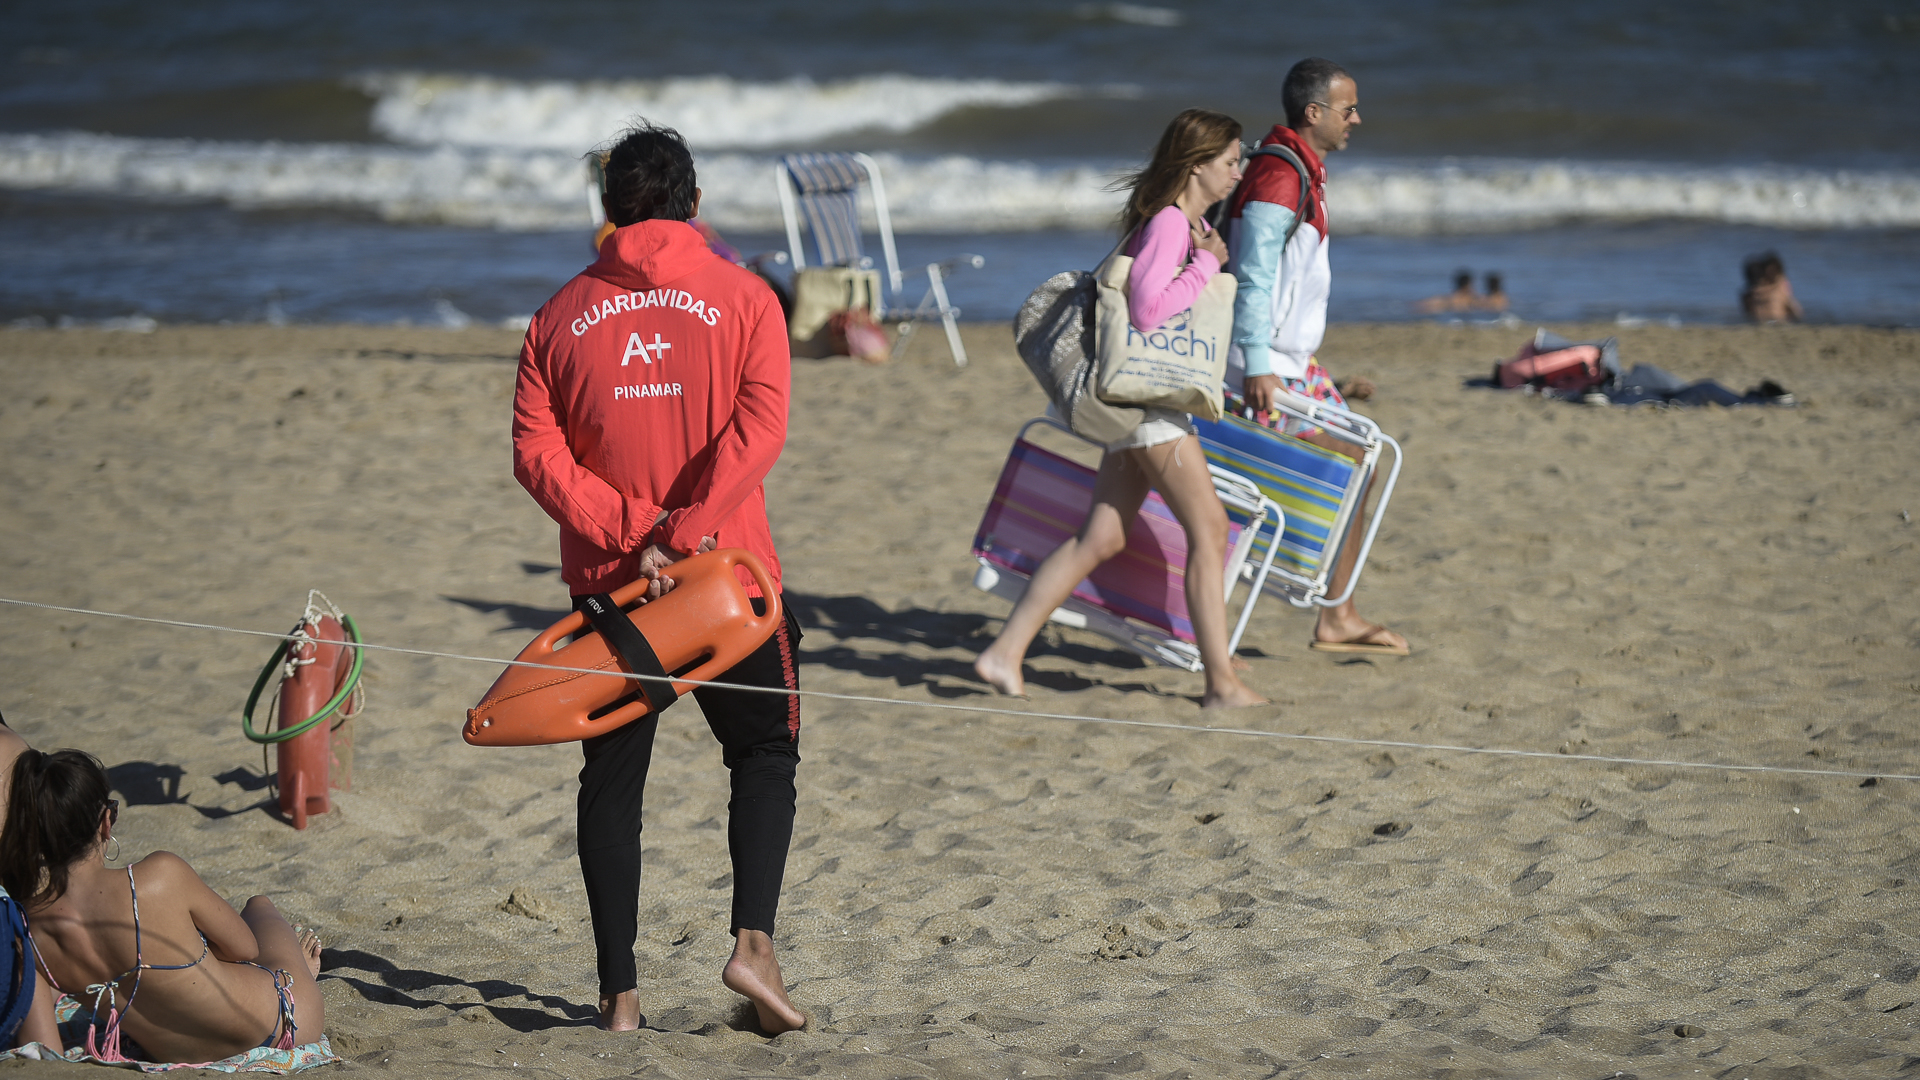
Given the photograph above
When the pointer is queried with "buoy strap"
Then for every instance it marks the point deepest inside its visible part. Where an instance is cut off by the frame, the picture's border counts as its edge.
(632, 646)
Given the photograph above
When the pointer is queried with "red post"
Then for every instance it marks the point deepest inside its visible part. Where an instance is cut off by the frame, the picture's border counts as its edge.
(304, 759)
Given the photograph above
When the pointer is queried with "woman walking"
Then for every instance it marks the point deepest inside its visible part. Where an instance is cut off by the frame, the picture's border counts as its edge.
(1175, 253)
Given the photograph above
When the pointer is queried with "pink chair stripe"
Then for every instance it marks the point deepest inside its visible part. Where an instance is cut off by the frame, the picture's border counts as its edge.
(1040, 501)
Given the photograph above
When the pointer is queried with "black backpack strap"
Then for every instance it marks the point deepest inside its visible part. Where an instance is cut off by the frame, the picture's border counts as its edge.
(632, 648)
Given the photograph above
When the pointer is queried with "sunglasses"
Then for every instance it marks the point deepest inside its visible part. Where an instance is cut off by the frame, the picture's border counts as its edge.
(1347, 113)
(113, 811)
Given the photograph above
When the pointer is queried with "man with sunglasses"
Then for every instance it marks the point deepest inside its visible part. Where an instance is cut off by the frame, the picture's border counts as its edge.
(1278, 244)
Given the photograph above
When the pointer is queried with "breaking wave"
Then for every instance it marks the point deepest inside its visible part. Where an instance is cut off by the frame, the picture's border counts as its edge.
(714, 112)
(1504, 196)
(546, 189)
(523, 189)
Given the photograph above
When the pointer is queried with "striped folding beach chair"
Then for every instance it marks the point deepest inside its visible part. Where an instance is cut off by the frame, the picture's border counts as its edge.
(823, 191)
(1318, 490)
(1138, 598)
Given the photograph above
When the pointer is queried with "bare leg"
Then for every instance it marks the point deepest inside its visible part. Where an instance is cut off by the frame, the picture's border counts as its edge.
(621, 1012)
(1344, 622)
(1118, 492)
(1178, 471)
(281, 950)
(754, 973)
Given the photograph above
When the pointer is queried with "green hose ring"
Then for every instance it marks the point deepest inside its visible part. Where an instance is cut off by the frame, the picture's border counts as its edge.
(279, 657)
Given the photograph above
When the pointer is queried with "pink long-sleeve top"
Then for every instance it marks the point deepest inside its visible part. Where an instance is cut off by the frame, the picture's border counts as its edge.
(1164, 281)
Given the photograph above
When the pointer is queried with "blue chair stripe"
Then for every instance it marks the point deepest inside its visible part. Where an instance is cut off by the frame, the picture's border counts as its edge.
(829, 186)
(1308, 482)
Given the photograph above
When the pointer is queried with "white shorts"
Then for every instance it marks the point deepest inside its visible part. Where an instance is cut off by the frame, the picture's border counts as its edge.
(1160, 426)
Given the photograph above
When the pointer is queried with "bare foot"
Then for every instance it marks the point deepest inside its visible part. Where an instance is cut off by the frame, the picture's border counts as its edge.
(754, 973)
(1358, 636)
(310, 949)
(1002, 676)
(1231, 694)
(621, 1012)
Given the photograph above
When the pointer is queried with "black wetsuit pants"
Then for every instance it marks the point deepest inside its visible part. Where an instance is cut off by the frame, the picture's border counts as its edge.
(760, 744)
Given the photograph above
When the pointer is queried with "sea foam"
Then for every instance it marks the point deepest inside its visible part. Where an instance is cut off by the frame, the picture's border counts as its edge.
(1495, 196)
(714, 112)
(546, 189)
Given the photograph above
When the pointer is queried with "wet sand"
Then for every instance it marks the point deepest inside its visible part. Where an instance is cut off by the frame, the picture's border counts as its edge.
(983, 895)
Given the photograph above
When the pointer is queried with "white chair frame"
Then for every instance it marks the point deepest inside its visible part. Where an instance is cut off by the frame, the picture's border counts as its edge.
(1301, 590)
(933, 302)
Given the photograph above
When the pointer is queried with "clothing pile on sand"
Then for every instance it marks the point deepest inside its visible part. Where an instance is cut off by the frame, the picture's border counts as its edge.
(1590, 372)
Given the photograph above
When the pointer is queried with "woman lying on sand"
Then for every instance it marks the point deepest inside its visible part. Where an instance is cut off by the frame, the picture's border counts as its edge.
(1175, 253)
(188, 978)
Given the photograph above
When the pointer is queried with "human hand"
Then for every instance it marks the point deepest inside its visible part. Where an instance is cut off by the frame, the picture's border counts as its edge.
(657, 557)
(1209, 240)
(1261, 391)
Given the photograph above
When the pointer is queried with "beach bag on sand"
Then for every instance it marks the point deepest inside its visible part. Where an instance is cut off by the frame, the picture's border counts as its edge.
(1554, 363)
(1053, 332)
(1177, 365)
(819, 291)
(854, 333)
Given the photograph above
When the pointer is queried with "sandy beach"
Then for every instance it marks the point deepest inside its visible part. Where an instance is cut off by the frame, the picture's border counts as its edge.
(973, 894)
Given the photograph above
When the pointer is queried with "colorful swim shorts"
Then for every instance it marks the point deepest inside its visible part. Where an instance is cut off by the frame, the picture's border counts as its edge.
(1316, 384)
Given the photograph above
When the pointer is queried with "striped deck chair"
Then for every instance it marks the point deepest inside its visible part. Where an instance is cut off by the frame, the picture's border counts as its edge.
(1318, 490)
(1138, 598)
(823, 191)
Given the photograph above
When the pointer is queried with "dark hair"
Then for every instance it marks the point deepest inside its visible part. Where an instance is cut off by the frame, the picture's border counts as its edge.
(648, 174)
(1493, 283)
(1462, 279)
(53, 818)
(1195, 137)
(1307, 82)
(1764, 267)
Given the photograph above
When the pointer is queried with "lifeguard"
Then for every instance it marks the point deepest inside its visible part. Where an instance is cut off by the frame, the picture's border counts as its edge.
(644, 463)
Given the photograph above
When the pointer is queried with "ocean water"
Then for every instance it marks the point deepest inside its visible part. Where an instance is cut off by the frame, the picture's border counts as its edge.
(270, 161)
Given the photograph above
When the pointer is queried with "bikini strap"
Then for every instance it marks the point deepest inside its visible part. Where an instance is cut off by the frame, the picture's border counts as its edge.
(139, 958)
(105, 1045)
(41, 959)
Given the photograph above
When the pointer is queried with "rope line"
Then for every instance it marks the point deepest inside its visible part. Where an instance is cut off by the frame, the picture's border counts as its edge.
(1163, 725)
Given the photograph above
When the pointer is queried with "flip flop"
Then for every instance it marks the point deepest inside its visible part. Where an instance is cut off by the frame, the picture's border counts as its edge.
(1367, 648)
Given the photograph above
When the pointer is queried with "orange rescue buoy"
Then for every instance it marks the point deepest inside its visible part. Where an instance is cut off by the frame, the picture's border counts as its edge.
(708, 618)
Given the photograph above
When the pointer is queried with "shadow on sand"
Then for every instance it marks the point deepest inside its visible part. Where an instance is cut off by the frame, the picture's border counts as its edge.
(856, 624)
(154, 783)
(389, 984)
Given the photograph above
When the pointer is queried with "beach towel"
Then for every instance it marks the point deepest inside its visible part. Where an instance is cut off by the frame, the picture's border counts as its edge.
(261, 1059)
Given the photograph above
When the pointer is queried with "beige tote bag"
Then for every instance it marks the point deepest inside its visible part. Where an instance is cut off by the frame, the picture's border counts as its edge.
(1178, 365)
(819, 291)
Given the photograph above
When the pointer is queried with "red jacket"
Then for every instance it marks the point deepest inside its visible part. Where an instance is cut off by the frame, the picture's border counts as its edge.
(655, 380)
(1272, 180)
